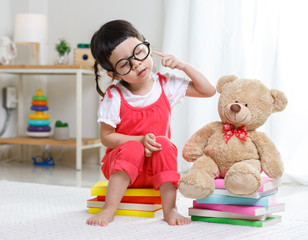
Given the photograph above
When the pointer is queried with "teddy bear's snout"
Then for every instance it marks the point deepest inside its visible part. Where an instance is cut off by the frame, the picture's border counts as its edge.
(235, 108)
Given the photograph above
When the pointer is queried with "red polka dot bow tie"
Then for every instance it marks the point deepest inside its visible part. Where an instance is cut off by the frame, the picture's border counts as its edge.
(240, 132)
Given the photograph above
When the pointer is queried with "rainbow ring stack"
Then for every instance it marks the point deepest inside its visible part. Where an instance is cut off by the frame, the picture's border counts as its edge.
(39, 121)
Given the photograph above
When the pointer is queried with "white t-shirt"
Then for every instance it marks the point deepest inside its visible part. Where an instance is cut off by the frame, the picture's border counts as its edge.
(109, 109)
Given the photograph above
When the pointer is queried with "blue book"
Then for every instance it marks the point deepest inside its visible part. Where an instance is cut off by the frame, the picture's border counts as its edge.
(232, 200)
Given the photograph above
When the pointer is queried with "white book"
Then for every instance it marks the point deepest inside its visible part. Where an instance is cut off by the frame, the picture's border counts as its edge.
(93, 203)
(267, 183)
(222, 191)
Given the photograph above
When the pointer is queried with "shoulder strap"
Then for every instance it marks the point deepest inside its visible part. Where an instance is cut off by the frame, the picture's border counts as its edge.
(161, 78)
(109, 92)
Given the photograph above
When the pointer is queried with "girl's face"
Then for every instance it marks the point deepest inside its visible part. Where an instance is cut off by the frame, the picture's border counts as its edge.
(140, 71)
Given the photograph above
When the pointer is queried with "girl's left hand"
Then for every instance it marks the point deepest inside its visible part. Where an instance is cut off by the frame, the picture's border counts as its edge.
(150, 144)
(170, 61)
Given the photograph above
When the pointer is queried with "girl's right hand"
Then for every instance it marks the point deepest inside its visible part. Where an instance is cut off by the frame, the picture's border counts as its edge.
(170, 61)
(150, 144)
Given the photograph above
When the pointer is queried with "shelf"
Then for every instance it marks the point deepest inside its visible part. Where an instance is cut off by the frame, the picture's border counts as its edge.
(45, 69)
(48, 141)
(77, 71)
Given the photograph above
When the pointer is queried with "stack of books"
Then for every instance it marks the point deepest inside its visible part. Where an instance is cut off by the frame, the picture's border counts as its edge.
(254, 210)
(136, 202)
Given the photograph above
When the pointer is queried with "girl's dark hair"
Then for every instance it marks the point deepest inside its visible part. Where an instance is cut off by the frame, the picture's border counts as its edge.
(105, 40)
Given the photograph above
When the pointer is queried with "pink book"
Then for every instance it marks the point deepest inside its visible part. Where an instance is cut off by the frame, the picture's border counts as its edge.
(241, 209)
(268, 183)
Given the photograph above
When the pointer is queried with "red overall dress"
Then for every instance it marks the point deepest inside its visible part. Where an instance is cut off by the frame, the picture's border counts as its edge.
(144, 171)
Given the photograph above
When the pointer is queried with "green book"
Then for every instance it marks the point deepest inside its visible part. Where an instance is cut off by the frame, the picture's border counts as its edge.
(272, 219)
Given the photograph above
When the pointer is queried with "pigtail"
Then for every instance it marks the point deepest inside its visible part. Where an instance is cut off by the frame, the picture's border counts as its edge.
(97, 77)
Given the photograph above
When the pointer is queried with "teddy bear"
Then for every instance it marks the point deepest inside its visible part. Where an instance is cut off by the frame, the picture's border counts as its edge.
(232, 148)
(7, 50)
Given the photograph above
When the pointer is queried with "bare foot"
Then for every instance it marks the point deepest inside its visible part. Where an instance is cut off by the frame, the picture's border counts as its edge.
(174, 218)
(102, 218)
(117, 186)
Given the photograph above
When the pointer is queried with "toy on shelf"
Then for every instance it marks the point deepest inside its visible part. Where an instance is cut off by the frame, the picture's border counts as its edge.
(61, 131)
(39, 121)
(43, 161)
(83, 56)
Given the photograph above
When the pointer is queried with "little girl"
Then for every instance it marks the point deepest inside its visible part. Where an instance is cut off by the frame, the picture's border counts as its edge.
(135, 115)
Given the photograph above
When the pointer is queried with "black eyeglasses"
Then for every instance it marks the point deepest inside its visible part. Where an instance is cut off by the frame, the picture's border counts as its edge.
(140, 52)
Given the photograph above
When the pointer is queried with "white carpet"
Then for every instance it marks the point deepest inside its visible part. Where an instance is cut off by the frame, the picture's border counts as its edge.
(37, 211)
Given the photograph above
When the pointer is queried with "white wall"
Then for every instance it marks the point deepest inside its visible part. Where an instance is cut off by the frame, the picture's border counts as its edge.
(76, 21)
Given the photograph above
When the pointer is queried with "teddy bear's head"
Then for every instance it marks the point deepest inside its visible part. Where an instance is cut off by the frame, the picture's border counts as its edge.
(247, 101)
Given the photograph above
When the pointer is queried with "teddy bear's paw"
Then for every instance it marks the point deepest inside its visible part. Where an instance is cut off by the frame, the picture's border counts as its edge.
(196, 185)
(242, 184)
(191, 191)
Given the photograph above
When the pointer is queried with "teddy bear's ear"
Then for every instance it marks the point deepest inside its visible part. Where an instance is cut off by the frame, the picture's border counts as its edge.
(280, 100)
(223, 80)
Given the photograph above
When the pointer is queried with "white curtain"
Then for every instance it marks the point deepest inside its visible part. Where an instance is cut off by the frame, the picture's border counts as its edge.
(262, 39)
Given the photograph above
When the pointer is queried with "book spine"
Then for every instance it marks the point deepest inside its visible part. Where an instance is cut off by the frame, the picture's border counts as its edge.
(223, 214)
(219, 183)
(228, 221)
(135, 213)
(267, 183)
(256, 195)
(129, 206)
(270, 220)
(130, 213)
(228, 200)
(225, 192)
(101, 191)
(247, 210)
(132, 199)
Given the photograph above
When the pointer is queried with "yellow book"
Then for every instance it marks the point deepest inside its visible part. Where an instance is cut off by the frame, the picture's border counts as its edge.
(100, 189)
(131, 213)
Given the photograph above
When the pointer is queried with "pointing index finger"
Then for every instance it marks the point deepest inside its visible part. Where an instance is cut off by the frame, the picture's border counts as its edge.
(159, 54)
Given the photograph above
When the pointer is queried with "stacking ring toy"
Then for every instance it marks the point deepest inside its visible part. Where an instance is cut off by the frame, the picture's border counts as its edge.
(39, 103)
(39, 108)
(39, 98)
(39, 92)
(39, 120)
(38, 115)
(32, 122)
(38, 134)
(39, 129)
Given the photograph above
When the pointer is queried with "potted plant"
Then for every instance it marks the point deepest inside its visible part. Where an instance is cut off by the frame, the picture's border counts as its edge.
(61, 131)
(63, 48)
